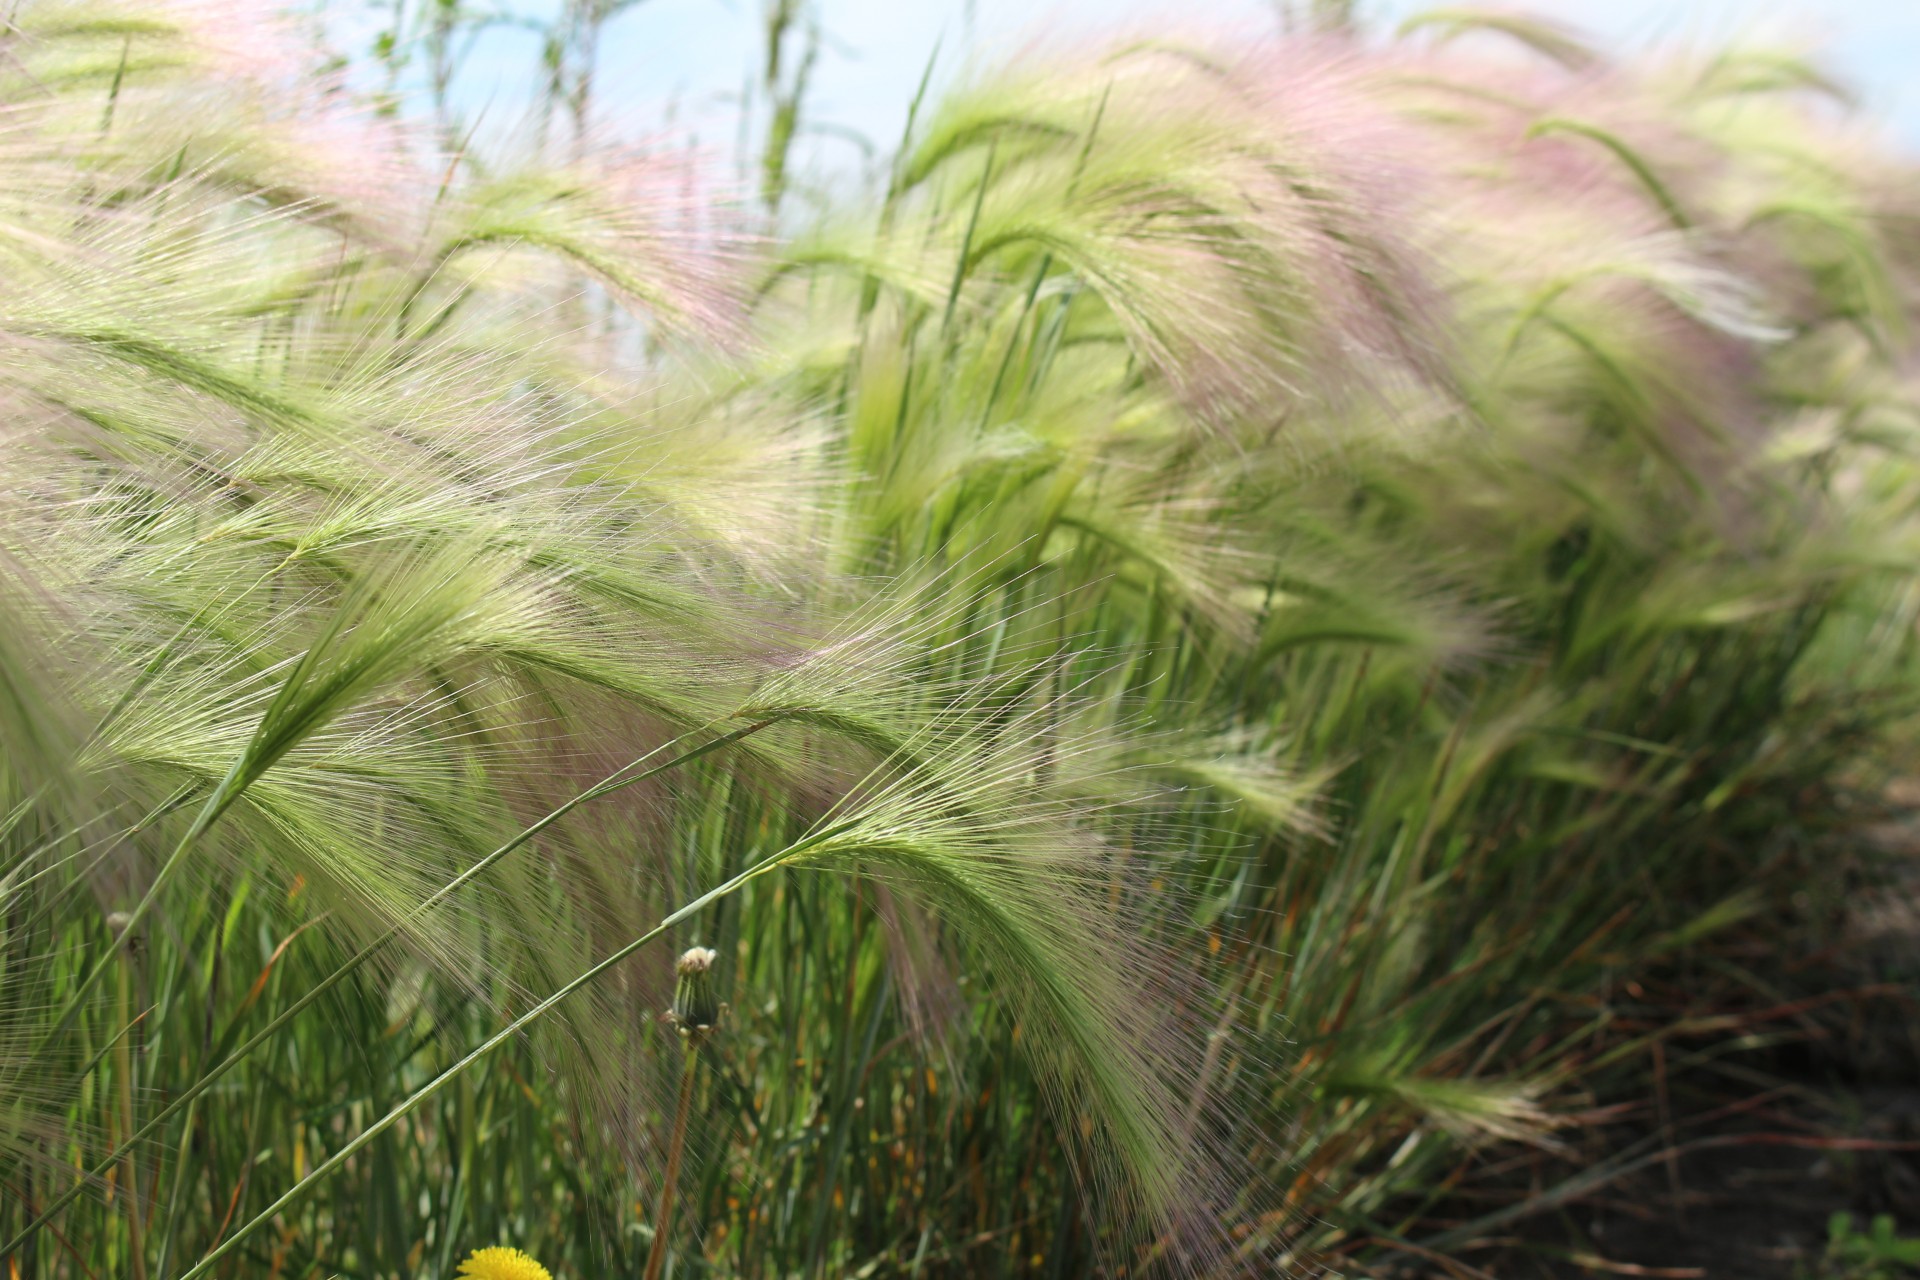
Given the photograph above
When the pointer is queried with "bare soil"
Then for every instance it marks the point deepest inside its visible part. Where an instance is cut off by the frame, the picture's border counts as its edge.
(1735, 1173)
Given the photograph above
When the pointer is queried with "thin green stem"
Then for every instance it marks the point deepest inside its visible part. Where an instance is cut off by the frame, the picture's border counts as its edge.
(182, 1163)
(614, 782)
(966, 241)
(401, 1109)
(216, 805)
(123, 1082)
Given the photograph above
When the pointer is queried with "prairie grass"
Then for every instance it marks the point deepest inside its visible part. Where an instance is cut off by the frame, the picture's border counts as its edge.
(1180, 657)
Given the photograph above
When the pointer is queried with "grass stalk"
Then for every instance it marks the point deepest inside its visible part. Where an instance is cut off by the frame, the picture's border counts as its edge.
(618, 780)
(670, 1179)
(123, 1080)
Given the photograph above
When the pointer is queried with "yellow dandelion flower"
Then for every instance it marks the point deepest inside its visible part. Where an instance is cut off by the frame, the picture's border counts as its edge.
(502, 1264)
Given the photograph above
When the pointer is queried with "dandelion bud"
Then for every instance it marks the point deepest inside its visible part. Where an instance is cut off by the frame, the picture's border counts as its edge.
(695, 1006)
(118, 923)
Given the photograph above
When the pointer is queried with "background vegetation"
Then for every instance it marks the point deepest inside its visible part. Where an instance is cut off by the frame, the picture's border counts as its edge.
(1229, 656)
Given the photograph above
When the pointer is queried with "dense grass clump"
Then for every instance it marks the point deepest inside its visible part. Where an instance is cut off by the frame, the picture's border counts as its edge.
(1166, 669)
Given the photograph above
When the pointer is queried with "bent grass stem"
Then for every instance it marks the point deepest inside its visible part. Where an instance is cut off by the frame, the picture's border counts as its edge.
(613, 782)
(400, 1110)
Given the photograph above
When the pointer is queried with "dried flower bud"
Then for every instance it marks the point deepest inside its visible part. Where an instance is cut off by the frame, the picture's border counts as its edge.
(117, 924)
(695, 1006)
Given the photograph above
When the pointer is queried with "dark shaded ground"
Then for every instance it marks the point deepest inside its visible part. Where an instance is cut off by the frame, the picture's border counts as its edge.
(1754, 1139)
(1742, 1197)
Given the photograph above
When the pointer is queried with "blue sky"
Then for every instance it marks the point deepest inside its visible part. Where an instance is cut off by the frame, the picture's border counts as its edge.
(686, 60)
